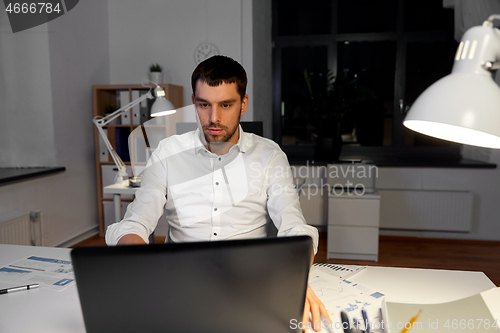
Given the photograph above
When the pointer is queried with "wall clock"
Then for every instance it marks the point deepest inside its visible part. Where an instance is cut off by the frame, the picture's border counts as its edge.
(205, 51)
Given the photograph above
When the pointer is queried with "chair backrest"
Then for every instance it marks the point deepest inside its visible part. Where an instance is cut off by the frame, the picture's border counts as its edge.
(181, 128)
(255, 127)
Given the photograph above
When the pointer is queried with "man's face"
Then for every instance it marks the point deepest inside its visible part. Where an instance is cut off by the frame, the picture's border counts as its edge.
(219, 110)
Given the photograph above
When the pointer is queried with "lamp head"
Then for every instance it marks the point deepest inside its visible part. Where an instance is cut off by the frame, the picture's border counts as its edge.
(464, 106)
(162, 106)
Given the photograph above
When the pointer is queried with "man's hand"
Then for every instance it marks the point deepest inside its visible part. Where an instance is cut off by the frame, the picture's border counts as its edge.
(316, 308)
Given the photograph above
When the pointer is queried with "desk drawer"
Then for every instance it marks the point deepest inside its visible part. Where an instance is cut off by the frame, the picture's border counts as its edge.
(352, 242)
(353, 211)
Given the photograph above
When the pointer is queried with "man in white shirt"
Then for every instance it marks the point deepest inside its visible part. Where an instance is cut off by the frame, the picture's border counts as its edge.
(217, 182)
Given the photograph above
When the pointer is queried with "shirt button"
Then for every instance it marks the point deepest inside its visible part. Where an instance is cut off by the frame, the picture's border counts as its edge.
(220, 158)
(216, 183)
(215, 209)
(215, 234)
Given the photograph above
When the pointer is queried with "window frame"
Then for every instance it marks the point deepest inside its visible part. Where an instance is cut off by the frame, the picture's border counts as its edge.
(401, 37)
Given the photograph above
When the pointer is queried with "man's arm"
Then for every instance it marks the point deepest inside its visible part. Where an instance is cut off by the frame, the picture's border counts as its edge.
(131, 239)
(283, 203)
(140, 219)
(284, 210)
(143, 213)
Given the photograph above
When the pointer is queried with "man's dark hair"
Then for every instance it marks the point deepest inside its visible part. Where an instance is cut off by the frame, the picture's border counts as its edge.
(220, 69)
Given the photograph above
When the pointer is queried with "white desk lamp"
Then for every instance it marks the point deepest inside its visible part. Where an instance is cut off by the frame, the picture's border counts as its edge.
(161, 107)
(464, 106)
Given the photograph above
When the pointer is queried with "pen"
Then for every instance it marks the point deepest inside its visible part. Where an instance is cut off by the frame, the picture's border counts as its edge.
(365, 319)
(11, 290)
(412, 320)
(345, 322)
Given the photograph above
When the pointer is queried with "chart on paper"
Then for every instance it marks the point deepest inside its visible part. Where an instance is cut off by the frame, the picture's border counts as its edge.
(341, 271)
(338, 294)
(7, 272)
(341, 295)
(52, 273)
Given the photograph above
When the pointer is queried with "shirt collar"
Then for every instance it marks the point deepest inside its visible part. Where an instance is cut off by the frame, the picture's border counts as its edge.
(200, 143)
(244, 142)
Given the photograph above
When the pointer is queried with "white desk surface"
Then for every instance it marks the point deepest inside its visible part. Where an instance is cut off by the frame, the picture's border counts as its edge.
(46, 311)
(120, 188)
(39, 310)
(423, 285)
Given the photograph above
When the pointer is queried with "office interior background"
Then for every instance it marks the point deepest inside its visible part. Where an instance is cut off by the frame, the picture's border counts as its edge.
(47, 73)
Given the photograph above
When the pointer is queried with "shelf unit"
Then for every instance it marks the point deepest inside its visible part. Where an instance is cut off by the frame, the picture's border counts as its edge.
(104, 96)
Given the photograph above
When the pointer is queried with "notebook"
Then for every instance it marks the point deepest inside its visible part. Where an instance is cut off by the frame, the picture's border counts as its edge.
(254, 285)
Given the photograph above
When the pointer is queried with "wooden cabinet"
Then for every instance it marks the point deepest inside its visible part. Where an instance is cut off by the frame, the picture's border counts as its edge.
(106, 98)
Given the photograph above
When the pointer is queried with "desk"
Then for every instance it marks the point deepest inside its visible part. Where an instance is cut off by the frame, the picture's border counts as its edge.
(40, 310)
(117, 190)
(46, 311)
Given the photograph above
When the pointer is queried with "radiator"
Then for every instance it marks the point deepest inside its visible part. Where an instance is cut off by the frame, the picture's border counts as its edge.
(426, 210)
(21, 228)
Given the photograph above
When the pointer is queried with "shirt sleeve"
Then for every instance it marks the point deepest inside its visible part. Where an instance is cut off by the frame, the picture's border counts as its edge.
(143, 213)
(283, 201)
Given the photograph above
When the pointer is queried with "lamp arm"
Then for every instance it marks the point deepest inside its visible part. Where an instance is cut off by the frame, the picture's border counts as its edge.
(489, 21)
(100, 122)
(491, 65)
(122, 169)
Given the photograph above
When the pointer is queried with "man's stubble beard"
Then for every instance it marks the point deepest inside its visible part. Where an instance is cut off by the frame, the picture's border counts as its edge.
(219, 139)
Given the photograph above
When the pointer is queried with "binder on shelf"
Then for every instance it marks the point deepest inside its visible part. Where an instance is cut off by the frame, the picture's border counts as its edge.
(140, 151)
(136, 109)
(144, 109)
(124, 100)
(103, 150)
(121, 139)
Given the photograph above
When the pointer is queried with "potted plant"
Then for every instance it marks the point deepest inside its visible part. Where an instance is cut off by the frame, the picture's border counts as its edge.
(110, 108)
(332, 106)
(155, 73)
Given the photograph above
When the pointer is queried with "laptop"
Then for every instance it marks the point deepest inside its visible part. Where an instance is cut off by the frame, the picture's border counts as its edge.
(253, 285)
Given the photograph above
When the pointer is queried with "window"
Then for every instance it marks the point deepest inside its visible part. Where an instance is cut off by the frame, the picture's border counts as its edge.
(361, 61)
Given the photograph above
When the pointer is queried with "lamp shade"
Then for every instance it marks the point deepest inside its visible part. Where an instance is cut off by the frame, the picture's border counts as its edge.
(464, 106)
(162, 106)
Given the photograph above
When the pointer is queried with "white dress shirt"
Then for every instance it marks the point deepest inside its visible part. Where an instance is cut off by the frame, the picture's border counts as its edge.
(209, 197)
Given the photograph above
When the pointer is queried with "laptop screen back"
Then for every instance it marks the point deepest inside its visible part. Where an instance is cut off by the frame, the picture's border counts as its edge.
(255, 285)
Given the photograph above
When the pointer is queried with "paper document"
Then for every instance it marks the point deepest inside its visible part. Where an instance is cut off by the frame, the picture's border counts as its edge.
(341, 271)
(49, 273)
(339, 294)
